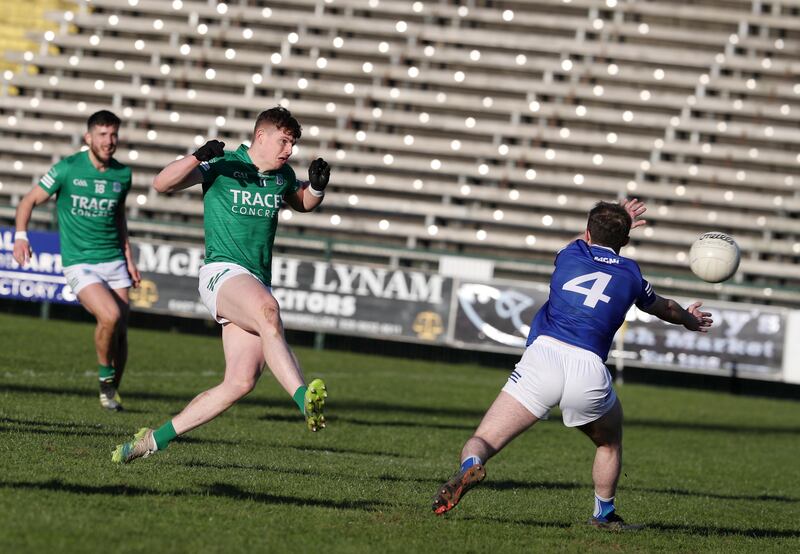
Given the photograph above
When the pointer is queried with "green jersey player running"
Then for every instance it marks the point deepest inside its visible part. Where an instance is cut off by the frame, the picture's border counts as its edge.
(90, 188)
(243, 191)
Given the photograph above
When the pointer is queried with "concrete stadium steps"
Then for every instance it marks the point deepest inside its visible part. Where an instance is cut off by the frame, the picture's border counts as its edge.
(674, 101)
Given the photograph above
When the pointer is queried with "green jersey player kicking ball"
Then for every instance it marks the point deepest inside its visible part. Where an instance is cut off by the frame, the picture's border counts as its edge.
(242, 194)
(90, 188)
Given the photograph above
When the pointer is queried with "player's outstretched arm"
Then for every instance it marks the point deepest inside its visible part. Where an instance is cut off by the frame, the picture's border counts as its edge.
(670, 311)
(308, 198)
(22, 246)
(185, 172)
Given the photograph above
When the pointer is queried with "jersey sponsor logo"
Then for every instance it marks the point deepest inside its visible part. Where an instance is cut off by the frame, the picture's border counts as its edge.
(247, 202)
(80, 183)
(93, 207)
(606, 260)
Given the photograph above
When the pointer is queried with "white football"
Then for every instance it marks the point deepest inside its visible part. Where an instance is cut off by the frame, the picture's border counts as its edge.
(714, 257)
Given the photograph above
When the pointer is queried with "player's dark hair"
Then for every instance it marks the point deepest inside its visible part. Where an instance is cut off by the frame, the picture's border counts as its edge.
(282, 119)
(103, 118)
(609, 225)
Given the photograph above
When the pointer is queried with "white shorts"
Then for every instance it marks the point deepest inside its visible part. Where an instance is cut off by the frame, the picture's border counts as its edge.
(553, 373)
(114, 274)
(212, 276)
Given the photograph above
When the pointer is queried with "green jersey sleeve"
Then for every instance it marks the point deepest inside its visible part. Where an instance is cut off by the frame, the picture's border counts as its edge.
(209, 171)
(52, 181)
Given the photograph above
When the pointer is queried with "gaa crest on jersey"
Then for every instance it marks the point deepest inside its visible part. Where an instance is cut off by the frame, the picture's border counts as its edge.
(279, 180)
(116, 186)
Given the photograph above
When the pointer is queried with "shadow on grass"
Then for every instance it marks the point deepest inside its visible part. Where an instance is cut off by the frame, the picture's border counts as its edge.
(62, 431)
(219, 490)
(719, 496)
(343, 405)
(249, 467)
(710, 531)
(334, 418)
(35, 427)
(77, 391)
(45, 423)
(510, 484)
(701, 530)
(713, 427)
(336, 450)
(520, 521)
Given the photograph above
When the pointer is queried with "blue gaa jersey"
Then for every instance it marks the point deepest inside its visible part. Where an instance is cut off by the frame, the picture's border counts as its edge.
(591, 290)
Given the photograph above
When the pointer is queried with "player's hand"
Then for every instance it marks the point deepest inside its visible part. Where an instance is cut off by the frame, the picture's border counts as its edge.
(635, 208)
(22, 251)
(319, 172)
(699, 321)
(136, 277)
(210, 150)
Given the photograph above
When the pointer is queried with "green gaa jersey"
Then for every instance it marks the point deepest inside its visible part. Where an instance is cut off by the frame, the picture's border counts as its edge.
(241, 210)
(88, 205)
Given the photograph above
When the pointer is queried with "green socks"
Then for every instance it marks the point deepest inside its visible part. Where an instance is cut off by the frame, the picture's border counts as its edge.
(164, 434)
(106, 373)
(299, 397)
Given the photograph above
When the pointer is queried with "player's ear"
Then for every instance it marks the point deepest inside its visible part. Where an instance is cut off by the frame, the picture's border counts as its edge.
(587, 236)
(87, 138)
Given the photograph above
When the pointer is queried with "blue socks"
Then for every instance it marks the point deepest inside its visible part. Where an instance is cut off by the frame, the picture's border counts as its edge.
(469, 462)
(603, 507)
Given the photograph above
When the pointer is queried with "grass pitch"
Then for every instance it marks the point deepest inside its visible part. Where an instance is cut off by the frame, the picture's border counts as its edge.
(703, 471)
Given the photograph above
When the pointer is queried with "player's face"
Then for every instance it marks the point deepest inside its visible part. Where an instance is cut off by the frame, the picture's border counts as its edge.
(273, 146)
(102, 141)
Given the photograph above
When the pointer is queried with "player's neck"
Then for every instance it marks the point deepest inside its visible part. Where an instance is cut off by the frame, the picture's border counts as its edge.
(590, 243)
(97, 163)
(261, 165)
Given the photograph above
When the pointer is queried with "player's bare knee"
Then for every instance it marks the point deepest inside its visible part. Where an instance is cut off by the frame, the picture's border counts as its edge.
(109, 317)
(240, 387)
(270, 320)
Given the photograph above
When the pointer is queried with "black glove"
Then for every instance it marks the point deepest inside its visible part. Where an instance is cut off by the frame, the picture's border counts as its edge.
(210, 150)
(319, 172)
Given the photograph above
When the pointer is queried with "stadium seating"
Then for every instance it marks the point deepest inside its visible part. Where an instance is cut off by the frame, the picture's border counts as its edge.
(478, 128)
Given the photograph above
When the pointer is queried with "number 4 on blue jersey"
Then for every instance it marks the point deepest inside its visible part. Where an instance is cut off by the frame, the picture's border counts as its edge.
(591, 290)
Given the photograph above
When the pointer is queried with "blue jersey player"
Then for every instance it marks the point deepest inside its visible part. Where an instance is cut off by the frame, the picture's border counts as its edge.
(591, 290)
